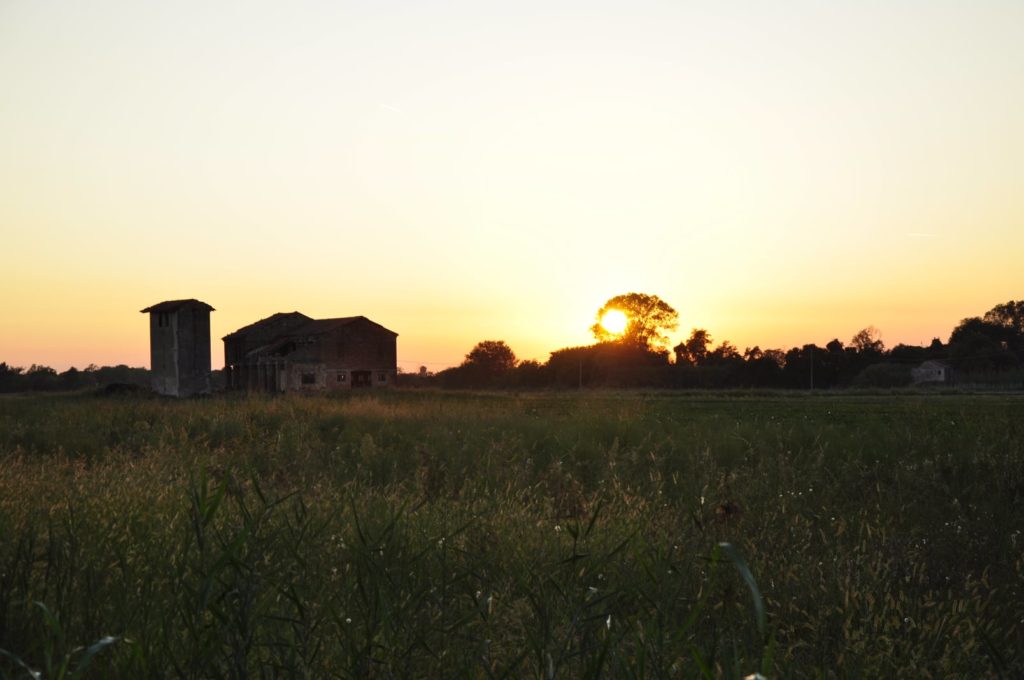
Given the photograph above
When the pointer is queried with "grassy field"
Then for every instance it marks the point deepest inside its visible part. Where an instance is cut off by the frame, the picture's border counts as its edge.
(418, 534)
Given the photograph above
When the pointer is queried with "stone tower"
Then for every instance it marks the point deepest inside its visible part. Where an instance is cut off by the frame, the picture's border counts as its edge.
(179, 347)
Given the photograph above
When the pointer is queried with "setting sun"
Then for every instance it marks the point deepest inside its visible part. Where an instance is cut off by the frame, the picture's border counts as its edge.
(614, 321)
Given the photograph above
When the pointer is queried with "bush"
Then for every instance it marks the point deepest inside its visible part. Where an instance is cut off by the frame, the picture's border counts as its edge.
(883, 375)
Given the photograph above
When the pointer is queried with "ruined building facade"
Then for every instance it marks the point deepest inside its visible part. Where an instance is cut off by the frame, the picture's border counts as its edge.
(289, 351)
(179, 347)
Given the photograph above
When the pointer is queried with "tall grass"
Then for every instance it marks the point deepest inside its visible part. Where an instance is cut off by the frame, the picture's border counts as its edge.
(432, 534)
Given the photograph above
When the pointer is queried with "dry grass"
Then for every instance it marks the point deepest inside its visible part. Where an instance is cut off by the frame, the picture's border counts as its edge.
(426, 535)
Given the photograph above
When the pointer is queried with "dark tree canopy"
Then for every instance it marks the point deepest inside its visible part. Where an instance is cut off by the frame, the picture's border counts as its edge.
(991, 343)
(44, 378)
(725, 352)
(868, 341)
(490, 364)
(649, 318)
(492, 356)
(1009, 315)
(694, 351)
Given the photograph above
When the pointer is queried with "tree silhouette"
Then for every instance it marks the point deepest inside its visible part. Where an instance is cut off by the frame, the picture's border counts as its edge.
(492, 356)
(649, 318)
(694, 351)
(835, 346)
(725, 352)
(1009, 315)
(868, 341)
(1010, 318)
(978, 344)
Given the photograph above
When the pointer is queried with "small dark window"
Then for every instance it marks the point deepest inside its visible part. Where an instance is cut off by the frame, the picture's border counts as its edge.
(382, 377)
(309, 378)
(341, 377)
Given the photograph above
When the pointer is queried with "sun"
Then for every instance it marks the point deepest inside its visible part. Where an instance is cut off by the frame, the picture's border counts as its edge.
(614, 321)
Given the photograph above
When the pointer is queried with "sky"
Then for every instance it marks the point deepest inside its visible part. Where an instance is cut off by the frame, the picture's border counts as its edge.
(780, 173)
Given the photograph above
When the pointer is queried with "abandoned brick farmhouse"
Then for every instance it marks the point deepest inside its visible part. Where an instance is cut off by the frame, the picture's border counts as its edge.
(289, 351)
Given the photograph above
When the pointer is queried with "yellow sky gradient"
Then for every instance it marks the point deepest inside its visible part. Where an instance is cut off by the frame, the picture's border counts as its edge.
(468, 171)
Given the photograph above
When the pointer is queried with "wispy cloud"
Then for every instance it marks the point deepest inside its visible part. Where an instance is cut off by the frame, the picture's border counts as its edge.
(389, 107)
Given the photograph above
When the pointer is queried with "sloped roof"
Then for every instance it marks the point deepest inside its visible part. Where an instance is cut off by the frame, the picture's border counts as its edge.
(321, 326)
(175, 305)
(311, 328)
(264, 349)
(263, 322)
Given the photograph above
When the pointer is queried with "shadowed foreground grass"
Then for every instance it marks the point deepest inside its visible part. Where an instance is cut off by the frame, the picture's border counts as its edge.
(540, 536)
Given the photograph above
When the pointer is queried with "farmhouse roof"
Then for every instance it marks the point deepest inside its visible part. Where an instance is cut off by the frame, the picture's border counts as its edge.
(263, 322)
(175, 305)
(934, 363)
(264, 349)
(321, 326)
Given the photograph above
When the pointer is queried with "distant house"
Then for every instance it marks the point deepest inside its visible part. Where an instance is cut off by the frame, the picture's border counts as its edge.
(291, 352)
(931, 371)
(179, 347)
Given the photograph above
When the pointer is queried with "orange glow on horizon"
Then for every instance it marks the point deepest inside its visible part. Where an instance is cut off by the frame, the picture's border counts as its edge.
(463, 187)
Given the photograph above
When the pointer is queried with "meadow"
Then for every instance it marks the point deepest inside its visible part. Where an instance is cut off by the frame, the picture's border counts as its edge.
(546, 535)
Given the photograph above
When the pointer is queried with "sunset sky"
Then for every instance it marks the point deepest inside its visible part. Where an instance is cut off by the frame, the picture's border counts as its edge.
(780, 173)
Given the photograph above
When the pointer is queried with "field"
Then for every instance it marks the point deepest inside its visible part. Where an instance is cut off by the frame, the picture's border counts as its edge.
(427, 534)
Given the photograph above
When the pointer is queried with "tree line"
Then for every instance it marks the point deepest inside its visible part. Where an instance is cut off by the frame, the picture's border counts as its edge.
(986, 349)
(37, 378)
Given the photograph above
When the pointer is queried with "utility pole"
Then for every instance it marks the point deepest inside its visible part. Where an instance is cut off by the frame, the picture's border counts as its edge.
(812, 368)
